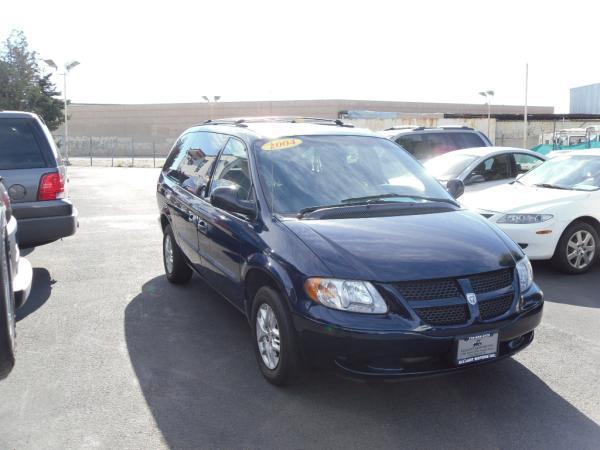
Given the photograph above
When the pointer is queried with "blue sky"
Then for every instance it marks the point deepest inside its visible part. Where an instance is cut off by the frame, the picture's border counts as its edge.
(178, 51)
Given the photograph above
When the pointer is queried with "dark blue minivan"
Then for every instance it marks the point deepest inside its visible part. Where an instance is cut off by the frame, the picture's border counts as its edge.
(341, 250)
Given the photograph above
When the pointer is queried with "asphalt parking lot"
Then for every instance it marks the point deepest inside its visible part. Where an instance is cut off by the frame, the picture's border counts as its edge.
(110, 355)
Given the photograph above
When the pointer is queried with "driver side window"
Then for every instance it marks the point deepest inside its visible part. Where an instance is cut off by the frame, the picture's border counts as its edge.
(492, 169)
(232, 170)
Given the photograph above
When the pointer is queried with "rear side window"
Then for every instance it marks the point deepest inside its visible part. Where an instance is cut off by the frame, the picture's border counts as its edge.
(192, 166)
(427, 145)
(18, 147)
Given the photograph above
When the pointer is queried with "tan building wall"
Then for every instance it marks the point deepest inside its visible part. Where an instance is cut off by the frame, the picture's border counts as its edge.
(167, 121)
(147, 130)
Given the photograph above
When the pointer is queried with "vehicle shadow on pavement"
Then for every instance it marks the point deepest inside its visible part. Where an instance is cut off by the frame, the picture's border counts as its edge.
(41, 288)
(191, 352)
(577, 290)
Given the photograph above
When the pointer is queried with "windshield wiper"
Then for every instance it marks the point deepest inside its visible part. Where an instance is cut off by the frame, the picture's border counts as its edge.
(552, 186)
(369, 199)
(310, 209)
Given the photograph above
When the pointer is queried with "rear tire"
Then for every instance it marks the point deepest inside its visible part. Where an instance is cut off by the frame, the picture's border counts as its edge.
(176, 267)
(577, 249)
(280, 367)
(7, 314)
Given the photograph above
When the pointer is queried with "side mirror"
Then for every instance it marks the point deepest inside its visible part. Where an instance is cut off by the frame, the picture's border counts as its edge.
(227, 198)
(474, 179)
(456, 188)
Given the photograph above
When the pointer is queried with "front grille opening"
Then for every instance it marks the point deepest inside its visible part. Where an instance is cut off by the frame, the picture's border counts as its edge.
(492, 281)
(490, 309)
(444, 315)
(429, 290)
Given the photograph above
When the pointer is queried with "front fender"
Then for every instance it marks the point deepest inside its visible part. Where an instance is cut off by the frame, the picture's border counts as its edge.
(275, 270)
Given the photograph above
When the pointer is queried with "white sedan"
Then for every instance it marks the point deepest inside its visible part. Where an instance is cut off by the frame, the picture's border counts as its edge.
(483, 167)
(552, 212)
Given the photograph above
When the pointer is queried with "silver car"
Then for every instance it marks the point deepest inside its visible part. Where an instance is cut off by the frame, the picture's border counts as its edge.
(483, 167)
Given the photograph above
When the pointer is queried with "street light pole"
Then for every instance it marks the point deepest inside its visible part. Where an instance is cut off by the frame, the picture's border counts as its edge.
(525, 108)
(488, 97)
(68, 67)
(66, 118)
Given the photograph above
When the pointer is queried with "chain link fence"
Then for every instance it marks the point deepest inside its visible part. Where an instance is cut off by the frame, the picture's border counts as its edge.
(114, 151)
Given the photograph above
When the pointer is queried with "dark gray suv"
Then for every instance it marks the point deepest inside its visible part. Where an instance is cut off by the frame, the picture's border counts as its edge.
(425, 142)
(35, 177)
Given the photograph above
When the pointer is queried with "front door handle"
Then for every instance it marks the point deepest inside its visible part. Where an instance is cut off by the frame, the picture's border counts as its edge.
(202, 226)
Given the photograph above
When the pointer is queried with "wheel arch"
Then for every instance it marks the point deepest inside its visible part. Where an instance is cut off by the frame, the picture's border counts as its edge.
(164, 221)
(260, 271)
(593, 222)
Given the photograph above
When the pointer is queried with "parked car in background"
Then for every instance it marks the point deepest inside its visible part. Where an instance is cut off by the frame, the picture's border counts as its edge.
(35, 177)
(552, 212)
(483, 167)
(15, 283)
(425, 143)
(341, 251)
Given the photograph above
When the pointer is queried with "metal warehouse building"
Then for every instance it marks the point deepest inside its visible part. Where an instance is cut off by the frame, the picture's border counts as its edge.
(585, 99)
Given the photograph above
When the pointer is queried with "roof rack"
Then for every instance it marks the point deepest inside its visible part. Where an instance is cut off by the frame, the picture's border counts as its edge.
(242, 122)
(405, 127)
(455, 127)
(420, 128)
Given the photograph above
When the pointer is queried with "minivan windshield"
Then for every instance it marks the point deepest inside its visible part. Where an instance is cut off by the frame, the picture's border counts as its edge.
(576, 172)
(303, 172)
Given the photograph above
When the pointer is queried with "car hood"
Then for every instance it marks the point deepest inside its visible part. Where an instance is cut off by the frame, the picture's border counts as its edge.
(414, 247)
(520, 198)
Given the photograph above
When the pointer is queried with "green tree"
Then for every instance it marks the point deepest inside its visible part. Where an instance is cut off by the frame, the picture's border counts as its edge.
(23, 85)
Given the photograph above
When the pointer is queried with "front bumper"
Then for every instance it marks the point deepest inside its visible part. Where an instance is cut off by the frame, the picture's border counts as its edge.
(536, 246)
(21, 271)
(407, 353)
(22, 282)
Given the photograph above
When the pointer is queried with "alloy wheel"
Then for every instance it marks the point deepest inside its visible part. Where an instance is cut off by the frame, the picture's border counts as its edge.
(581, 249)
(267, 335)
(168, 254)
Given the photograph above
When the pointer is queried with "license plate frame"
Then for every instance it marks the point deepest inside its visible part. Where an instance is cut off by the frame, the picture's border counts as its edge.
(473, 348)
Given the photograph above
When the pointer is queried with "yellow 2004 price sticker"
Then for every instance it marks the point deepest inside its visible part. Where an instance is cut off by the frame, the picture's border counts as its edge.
(281, 144)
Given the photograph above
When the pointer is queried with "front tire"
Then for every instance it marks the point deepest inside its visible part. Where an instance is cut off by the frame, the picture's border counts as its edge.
(577, 249)
(176, 267)
(7, 315)
(274, 338)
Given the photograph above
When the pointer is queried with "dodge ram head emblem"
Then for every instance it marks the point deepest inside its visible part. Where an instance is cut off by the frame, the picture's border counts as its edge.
(471, 298)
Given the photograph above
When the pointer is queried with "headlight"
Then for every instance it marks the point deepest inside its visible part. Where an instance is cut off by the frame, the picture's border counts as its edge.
(525, 273)
(525, 218)
(346, 295)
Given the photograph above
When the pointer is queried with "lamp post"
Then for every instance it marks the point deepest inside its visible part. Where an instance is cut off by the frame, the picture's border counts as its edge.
(488, 99)
(207, 99)
(68, 67)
